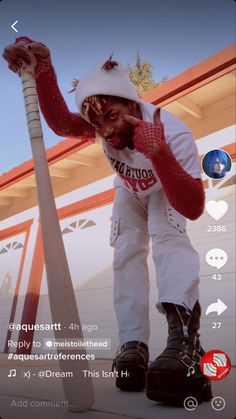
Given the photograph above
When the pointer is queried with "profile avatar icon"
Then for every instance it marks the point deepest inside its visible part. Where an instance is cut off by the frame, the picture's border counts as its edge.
(216, 164)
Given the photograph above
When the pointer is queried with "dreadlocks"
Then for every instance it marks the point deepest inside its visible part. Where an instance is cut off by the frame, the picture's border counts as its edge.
(95, 102)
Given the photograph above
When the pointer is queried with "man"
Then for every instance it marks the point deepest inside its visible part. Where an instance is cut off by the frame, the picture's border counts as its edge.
(158, 186)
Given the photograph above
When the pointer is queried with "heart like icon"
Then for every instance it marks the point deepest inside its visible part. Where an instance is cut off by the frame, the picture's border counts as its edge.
(216, 209)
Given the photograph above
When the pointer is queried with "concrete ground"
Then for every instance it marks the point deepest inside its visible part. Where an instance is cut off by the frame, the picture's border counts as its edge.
(23, 398)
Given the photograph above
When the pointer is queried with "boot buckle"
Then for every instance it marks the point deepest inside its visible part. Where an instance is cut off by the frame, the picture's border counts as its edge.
(187, 361)
(196, 357)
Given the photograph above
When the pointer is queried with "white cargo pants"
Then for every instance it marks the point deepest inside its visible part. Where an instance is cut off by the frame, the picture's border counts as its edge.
(134, 221)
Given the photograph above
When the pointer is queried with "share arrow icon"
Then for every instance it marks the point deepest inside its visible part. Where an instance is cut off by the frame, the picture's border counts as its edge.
(218, 307)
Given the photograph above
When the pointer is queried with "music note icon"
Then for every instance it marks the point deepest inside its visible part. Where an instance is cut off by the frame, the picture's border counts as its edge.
(12, 373)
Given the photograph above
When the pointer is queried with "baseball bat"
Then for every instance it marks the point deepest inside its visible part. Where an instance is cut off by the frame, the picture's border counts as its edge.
(78, 389)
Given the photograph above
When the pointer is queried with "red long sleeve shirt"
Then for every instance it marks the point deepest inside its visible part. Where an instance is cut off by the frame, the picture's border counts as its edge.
(184, 193)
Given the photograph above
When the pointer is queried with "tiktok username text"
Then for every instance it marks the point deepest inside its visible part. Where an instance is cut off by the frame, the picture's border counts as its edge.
(38, 326)
(52, 326)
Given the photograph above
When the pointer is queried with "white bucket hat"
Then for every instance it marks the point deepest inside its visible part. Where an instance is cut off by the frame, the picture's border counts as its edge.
(101, 81)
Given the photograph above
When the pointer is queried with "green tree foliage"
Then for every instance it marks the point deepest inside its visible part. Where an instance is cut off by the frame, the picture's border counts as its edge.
(141, 75)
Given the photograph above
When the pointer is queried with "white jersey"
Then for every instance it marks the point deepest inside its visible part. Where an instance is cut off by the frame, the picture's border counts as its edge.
(136, 172)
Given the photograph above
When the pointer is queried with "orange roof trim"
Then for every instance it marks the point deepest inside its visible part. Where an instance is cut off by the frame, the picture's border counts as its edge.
(55, 153)
(222, 62)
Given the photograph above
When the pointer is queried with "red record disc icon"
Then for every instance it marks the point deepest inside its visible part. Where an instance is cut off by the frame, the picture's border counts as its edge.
(215, 365)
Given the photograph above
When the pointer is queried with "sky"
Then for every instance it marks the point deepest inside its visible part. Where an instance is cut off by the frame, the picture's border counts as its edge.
(172, 35)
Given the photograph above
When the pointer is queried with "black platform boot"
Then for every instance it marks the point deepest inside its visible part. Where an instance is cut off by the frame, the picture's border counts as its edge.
(130, 365)
(175, 374)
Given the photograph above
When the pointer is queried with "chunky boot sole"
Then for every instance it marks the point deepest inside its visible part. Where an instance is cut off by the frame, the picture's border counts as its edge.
(130, 376)
(171, 389)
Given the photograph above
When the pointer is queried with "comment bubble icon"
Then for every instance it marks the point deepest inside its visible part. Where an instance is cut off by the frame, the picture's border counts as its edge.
(48, 343)
(216, 258)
